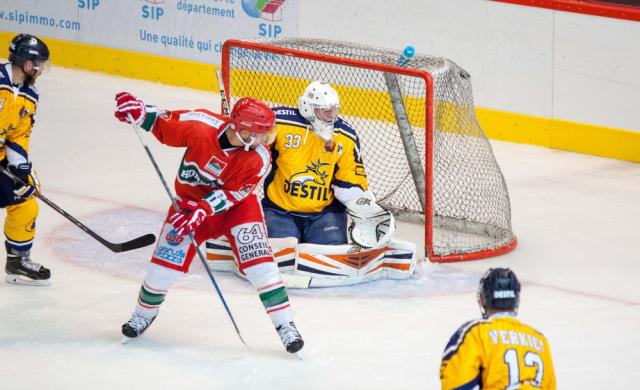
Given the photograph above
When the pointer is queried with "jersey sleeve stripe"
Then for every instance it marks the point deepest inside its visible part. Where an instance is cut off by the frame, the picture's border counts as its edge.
(16, 153)
(351, 136)
(29, 94)
(458, 338)
(345, 184)
(471, 385)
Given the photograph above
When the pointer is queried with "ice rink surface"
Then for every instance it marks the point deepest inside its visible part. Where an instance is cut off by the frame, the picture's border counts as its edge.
(576, 218)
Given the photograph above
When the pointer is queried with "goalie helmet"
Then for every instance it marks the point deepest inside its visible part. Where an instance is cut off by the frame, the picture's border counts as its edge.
(25, 47)
(499, 289)
(320, 105)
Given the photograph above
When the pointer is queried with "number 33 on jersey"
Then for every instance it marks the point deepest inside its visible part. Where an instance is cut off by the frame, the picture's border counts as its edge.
(497, 353)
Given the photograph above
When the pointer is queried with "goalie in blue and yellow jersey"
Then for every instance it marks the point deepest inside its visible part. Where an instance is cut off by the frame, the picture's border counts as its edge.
(28, 58)
(318, 176)
(498, 351)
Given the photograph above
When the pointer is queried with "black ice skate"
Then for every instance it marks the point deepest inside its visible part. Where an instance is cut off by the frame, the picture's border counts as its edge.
(21, 270)
(290, 337)
(136, 326)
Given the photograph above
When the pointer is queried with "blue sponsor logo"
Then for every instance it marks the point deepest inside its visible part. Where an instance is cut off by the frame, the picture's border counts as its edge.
(269, 10)
(153, 12)
(88, 4)
(171, 255)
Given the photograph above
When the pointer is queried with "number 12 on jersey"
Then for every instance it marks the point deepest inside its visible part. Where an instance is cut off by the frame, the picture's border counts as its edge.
(531, 359)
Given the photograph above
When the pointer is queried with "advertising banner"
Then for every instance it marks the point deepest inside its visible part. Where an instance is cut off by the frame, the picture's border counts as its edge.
(185, 29)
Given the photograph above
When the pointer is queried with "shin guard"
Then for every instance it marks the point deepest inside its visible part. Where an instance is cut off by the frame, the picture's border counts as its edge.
(266, 280)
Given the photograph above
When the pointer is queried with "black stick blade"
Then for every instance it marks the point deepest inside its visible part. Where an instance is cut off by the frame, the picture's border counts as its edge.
(136, 243)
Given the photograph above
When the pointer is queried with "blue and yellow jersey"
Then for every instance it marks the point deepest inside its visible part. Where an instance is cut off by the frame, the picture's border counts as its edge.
(304, 174)
(17, 108)
(497, 353)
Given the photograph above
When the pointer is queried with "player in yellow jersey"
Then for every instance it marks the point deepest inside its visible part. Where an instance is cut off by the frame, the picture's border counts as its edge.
(28, 58)
(498, 351)
(318, 175)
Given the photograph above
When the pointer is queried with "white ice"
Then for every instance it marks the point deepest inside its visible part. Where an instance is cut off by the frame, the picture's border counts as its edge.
(578, 257)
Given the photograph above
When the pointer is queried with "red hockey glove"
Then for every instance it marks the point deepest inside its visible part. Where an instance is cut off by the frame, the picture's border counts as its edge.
(129, 105)
(190, 216)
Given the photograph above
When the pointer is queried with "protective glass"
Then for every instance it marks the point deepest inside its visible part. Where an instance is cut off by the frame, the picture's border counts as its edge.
(253, 140)
(327, 114)
(42, 66)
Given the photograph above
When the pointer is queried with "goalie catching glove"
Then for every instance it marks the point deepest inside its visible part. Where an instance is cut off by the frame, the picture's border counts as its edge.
(373, 226)
(190, 216)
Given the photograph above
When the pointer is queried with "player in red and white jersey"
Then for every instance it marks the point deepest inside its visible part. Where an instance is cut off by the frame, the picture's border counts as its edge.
(224, 161)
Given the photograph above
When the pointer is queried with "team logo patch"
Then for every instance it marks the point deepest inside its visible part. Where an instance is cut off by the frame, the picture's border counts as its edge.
(215, 166)
(173, 238)
(31, 226)
(243, 191)
(190, 173)
(251, 241)
(311, 183)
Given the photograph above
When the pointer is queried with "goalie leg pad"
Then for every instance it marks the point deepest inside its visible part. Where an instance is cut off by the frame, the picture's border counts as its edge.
(341, 265)
(310, 265)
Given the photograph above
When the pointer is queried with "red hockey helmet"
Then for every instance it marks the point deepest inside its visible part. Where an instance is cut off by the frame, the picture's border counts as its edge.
(252, 115)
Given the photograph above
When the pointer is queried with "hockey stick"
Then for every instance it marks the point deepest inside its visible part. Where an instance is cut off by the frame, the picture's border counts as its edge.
(136, 243)
(223, 93)
(190, 235)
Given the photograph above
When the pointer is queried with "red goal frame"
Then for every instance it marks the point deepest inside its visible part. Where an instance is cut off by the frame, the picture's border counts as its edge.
(428, 162)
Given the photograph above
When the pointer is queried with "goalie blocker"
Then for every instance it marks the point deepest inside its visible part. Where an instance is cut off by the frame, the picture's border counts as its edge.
(310, 265)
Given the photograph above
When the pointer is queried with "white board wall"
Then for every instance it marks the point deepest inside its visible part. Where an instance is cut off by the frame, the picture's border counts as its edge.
(526, 60)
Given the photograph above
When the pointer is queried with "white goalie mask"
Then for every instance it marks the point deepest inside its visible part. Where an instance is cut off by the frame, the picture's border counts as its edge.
(320, 105)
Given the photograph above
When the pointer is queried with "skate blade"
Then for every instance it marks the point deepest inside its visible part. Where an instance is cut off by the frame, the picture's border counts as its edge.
(300, 354)
(24, 281)
(126, 340)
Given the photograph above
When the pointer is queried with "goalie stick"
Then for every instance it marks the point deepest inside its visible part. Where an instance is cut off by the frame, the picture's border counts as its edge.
(223, 93)
(190, 235)
(136, 243)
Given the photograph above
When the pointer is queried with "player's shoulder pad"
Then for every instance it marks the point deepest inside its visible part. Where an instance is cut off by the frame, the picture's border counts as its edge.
(344, 128)
(264, 156)
(27, 91)
(5, 81)
(458, 337)
(289, 116)
(30, 92)
(537, 331)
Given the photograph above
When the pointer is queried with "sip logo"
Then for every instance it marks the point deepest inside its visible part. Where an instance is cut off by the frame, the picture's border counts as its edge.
(154, 11)
(88, 4)
(269, 10)
(173, 238)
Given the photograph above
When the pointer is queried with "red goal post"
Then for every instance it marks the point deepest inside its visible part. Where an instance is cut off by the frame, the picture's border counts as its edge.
(425, 157)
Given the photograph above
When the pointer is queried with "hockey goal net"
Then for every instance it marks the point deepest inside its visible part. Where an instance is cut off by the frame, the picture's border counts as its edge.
(425, 154)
